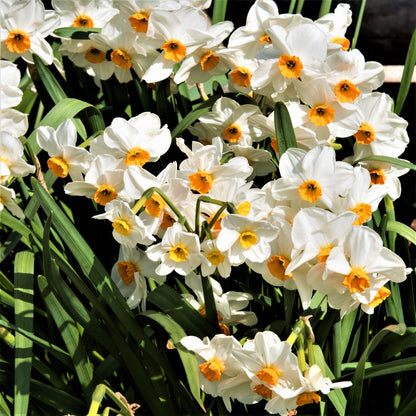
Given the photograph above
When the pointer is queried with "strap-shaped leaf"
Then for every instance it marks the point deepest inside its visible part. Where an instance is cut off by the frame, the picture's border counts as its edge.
(402, 229)
(284, 130)
(392, 160)
(76, 32)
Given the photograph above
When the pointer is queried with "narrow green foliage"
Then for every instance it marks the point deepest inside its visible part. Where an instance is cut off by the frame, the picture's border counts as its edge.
(210, 308)
(218, 13)
(409, 67)
(358, 24)
(284, 129)
(76, 32)
(23, 293)
(325, 7)
(402, 229)
(299, 6)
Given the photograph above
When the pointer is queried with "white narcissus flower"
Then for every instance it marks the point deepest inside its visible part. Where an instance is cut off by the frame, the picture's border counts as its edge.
(23, 29)
(6, 200)
(103, 181)
(136, 141)
(179, 251)
(128, 229)
(217, 260)
(11, 158)
(129, 274)
(312, 178)
(65, 157)
(245, 238)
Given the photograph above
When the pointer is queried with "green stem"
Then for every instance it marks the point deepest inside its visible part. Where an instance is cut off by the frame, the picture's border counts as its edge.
(292, 6)
(209, 300)
(218, 12)
(311, 354)
(296, 331)
(148, 194)
(391, 216)
(358, 24)
(301, 353)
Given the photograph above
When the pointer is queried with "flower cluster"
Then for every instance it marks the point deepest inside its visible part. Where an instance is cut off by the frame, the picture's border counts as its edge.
(304, 229)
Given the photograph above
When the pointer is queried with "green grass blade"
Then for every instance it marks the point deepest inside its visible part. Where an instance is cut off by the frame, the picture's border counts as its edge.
(188, 358)
(70, 335)
(402, 229)
(356, 390)
(392, 367)
(409, 67)
(76, 32)
(218, 13)
(292, 6)
(392, 160)
(325, 7)
(299, 6)
(358, 24)
(393, 345)
(284, 128)
(173, 304)
(23, 293)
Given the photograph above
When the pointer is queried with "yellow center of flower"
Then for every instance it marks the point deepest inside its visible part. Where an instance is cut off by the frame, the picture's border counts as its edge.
(232, 133)
(154, 205)
(126, 271)
(167, 221)
(377, 176)
(310, 191)
(363, 211)
(139, 21)
(307, 398)
(346, 91)
(365, 134)
(265, 38)
(324, 253)
(290, 66)
(18, 41)
(269, 375)
(212, 369)
(244, 208)
(122, 226)
(321, 115)
(277, 265)
(240, 76)
(121, 58)
(344, 42)
(247, 239)
(58, 166)
(83, 21)
(174, 50)
(215, 257)
(380, 296)
(137, 156)
(209, 61)
(178, 253)
(201, 181)
(357, 280)
(263, 391)
(104, 194)
(273, 144)
(94, 55)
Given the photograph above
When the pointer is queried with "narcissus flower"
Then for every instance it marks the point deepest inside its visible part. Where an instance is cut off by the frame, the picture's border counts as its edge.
(7, 195)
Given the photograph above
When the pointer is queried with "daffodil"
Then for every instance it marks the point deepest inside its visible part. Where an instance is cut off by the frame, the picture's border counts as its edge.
(7, 196)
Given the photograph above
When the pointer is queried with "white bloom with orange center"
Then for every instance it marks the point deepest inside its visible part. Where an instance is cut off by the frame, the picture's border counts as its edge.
(245, 238)
(349, 75)
(252, 37)
(356, 271)
(65, 158)
(128, 229)
(129, 274)
(295, 54)
(11, 158)
(232, 122)
(23, 29)
(203, 166)
(229, 305)
(179, 251)
(178, 33)
(217, 260)
(84, 13)
(136, 141)
(215, 359)
(7, 195)
(126, 51)
(312, 178)
(202, 64)
(103, 181)
(381, 132)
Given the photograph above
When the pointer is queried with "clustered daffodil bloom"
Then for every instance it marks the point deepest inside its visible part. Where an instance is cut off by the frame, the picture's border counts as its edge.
(205, 214)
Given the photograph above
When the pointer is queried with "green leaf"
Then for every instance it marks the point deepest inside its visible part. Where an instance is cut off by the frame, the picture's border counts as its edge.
(325, 7)
(188, 358)
(358, 24)
(409, 67)
(76, 32)
(219, 10)
(23, 293)
(347, 326)
(283, 126)
(391, 160)
(70, 335)
(173, 304)
(402, 229)
(391, 367)
(355, 394)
